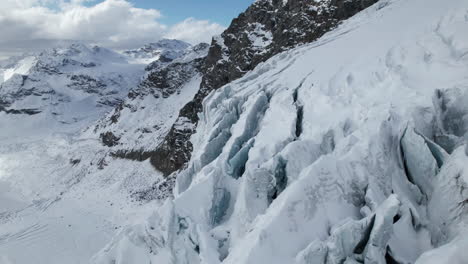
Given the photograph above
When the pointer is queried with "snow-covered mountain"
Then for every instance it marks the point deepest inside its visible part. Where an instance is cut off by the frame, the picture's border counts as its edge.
(309, 132)
(265, 29)
(346, 150)
(65, 85)
(163, 50)
(58, 183)
(152, 105)
(139, 124)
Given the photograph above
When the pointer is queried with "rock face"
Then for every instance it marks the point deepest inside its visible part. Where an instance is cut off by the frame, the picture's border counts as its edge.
(265, 29)
(166, 81)
(140, 122)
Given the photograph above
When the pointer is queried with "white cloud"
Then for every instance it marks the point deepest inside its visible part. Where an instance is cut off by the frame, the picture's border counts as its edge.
(194, 31)
(112, 23)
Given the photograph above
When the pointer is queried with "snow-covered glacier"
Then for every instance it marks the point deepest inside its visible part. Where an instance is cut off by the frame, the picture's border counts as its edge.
(350, 149)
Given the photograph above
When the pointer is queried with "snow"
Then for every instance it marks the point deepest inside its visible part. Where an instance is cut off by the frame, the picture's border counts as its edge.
(56, 208)
(68, 84)
(349, 149)
(259, 38)
(351, 122)
(169, 48)
(22, 68)
(146, 116)
(62, 198)
(453, 253)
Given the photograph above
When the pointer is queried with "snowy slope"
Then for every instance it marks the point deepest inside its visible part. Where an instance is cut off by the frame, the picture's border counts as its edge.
(62, 196)
(346, 150)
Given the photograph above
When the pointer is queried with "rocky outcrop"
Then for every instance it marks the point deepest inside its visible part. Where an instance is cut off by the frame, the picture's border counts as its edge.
(166, 81)
(109, 139)
(265, 29)
(142, 120)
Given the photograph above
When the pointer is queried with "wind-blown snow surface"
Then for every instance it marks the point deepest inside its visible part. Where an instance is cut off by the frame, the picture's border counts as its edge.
(346, 150)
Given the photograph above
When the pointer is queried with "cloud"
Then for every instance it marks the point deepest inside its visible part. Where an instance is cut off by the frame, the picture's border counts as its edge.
(194, 31)
(111, 23)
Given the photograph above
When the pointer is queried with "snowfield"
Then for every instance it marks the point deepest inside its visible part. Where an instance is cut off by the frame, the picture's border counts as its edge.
(351, 149)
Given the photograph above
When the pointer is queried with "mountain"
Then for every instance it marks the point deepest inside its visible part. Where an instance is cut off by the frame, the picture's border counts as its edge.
(265, 29)
(325, 131)
(63, 195)
(163, 50)
(349, 149)
(139, 124)
(66, 85)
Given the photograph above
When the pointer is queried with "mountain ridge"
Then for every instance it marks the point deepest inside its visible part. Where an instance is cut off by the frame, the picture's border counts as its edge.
(236, 52)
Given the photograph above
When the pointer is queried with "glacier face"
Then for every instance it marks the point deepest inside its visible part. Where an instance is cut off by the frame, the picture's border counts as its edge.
(350, 149)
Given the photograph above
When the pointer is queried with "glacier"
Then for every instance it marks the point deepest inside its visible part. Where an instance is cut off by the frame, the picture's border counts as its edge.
(350, 149)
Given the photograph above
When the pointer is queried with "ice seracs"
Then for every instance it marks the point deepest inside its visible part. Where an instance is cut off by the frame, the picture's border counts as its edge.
(265, 29)
(338, 151)
(348, 149)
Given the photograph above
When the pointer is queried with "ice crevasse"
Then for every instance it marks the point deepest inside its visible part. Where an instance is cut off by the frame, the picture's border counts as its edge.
(351, 149)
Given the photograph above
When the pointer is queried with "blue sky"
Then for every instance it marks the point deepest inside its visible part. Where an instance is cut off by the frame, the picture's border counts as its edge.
(220, 11)
(174, 11)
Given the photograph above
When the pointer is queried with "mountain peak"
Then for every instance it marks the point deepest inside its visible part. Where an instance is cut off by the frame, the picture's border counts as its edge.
(167, 48)
(169, 44)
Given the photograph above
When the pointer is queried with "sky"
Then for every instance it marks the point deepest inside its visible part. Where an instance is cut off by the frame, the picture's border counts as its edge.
(32, 25)
(220, 11)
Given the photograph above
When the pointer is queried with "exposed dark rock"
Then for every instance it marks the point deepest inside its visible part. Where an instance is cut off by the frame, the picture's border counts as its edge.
(112, 101)
(75, 162)
(109, 139)
(265, 29)
(4, 108)
(168, 157)
(166, 81)
(86, 83)
(160, 190)
(136, 155)
(102, 163)
(20, 111)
